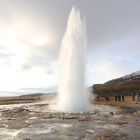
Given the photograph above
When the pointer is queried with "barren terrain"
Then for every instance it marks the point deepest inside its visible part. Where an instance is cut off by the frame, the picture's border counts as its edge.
(35, 121)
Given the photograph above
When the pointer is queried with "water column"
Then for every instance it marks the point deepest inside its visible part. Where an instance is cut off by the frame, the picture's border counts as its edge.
(72, 96)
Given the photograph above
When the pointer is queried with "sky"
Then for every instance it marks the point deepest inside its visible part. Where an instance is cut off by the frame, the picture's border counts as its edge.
(30, 39)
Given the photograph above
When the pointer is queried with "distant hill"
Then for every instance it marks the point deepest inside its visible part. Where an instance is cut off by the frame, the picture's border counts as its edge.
(29, 98)
(126, 85)
(132, 76)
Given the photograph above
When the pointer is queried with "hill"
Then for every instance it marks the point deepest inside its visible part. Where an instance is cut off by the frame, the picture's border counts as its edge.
(126, 85)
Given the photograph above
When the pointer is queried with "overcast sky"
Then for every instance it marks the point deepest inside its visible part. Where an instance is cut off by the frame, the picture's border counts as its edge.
(31, 33)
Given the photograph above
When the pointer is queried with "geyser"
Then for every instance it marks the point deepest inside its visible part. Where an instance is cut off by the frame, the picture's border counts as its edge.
(72, 95)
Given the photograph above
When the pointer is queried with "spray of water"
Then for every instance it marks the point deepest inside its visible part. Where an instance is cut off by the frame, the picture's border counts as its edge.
(72, 95)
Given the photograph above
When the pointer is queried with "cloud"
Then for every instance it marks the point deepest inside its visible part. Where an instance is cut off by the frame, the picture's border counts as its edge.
(24, 64)
(31, 33)
(104, 71)
(113, 60)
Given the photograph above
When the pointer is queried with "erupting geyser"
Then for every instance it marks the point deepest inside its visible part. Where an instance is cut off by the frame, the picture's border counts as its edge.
(72, 95)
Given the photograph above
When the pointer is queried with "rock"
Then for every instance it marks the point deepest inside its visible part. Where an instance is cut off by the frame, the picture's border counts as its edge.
(69, 117)
(111, 113)
(137, 113)
(132, 121)
(90, 131)
(84, 118)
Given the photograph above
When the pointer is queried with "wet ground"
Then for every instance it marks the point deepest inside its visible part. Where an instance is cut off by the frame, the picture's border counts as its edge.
(36, 122)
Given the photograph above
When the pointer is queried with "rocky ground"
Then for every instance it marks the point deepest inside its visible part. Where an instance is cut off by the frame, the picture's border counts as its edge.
(35, 121)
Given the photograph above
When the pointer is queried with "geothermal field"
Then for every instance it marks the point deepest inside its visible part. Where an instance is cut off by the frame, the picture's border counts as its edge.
(76, 111)
(37, 121)
(73, 113)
